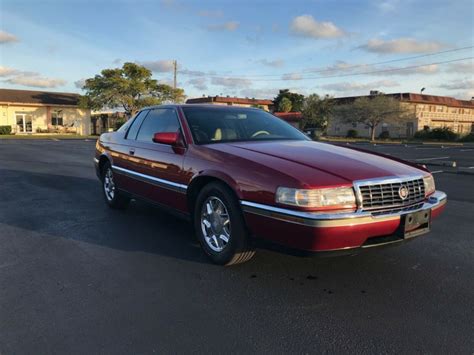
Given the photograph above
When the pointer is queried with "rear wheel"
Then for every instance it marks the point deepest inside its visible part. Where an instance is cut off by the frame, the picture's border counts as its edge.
(220, 226)
(113, 197)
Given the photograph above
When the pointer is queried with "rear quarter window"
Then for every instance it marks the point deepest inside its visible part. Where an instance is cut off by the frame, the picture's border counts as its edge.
(135, 125)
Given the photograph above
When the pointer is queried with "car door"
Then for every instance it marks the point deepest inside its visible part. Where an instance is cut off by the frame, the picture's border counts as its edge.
(124, 162)
(160, 165)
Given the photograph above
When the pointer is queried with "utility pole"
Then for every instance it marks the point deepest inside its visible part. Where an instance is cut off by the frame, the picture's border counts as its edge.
(175, 67)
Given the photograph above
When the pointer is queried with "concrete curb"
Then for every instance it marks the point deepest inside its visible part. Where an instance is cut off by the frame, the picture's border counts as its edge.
(448, 163)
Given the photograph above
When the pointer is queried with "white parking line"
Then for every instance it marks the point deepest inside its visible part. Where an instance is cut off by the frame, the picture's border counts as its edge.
(437, 171)
(466, 150)
(435, 158)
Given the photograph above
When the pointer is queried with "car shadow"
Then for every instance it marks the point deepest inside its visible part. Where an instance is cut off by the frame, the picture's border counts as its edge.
(73, 208)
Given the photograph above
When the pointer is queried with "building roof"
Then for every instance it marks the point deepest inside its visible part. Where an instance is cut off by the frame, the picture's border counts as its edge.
(419, 98)
(233, 100)
(38, 97)
(437, 100)
(289, 116)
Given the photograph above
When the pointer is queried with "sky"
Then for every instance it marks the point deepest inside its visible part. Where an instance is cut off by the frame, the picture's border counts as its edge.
(244, 48)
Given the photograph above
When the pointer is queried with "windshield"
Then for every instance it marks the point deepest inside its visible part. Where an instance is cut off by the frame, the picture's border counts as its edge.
(218, 125)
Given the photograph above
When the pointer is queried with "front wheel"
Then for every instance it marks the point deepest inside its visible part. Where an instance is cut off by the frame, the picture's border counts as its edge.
(113, 197)
(220, 226)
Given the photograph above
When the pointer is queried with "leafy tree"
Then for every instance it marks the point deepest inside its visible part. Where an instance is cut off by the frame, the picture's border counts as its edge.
(296, 100)
(284, 105)
(317, 111)
(131, 87)
(372, 111)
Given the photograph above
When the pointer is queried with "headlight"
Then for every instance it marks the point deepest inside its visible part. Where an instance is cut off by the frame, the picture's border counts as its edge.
(342, 197)
(429, 185)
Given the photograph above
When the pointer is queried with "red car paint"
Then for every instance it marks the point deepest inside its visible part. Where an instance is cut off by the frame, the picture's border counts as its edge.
(254, 171)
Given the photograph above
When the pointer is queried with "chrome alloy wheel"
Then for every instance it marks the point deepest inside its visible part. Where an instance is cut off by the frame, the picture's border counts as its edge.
(109, 185)
(215, 224)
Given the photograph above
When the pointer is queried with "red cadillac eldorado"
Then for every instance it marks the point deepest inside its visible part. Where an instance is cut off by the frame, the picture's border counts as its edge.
(242, 175)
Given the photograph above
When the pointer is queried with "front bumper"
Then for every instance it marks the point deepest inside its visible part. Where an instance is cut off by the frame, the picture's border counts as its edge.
(313, 232)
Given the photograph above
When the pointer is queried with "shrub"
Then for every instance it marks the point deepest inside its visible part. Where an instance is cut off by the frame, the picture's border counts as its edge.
(351, 133)
(443, 134)
(5, 130)
(384, 135)
(468, 138)
(118, 124)
(421, 134)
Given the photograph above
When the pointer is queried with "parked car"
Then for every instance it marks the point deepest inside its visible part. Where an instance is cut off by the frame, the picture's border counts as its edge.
(243, 176)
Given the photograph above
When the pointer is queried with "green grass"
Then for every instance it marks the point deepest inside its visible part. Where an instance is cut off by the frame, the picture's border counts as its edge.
(45, 136)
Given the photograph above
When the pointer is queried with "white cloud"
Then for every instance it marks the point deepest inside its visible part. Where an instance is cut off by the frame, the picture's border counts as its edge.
(28, 78)
(6, 37)
(159, 66)
(291, 76)
(36, 81)
(458, 85)
(230, 82)
(388, 5)
(211, 13)
(338, 67)
(400, 45)
(354, 86)
(80, 83)
(198, 83)
(259, 93)
(422, 70)
(307, 26)
(461, 67)
(464, 95)
(277, 63)
(230, 26)
(192, 72)
(6, 71)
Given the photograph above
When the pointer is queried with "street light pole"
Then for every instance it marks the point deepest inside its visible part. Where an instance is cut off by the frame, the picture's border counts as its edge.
(175, 69)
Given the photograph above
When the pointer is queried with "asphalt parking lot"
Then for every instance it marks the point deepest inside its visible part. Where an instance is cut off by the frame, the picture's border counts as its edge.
(77, 277)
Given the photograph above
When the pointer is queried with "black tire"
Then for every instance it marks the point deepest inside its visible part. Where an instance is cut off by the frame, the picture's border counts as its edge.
(238, 249)
(115, 200)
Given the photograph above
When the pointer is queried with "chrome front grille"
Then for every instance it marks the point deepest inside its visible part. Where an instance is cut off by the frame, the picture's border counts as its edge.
(385, 195)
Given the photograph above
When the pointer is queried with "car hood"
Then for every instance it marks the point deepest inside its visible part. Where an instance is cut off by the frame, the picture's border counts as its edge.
(345, 163)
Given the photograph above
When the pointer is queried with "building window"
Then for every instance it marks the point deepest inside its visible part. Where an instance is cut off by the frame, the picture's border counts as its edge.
(57, 118)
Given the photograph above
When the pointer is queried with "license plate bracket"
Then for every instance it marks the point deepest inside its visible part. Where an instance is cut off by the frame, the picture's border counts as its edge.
(414, 224)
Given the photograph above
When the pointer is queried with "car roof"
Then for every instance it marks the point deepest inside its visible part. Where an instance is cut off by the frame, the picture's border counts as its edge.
(199, 105)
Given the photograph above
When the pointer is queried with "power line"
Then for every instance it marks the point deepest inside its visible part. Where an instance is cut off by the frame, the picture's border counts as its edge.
(369, 72)
(343, 68)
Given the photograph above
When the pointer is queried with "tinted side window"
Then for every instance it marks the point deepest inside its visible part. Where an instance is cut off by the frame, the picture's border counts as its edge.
(132, 132)
(159, 120)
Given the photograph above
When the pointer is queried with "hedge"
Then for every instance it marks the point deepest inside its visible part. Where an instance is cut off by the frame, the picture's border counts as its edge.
(444, 134)
(5, 130)
(351, 133)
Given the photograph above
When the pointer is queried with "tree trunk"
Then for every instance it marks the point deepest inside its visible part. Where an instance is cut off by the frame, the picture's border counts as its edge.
(372, 133)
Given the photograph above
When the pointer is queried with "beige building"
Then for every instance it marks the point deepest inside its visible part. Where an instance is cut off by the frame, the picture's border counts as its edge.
(31, 112)
(428, 111)
(232, 101)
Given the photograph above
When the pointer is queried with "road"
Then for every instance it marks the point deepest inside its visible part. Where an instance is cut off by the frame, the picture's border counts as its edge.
(77, 277)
